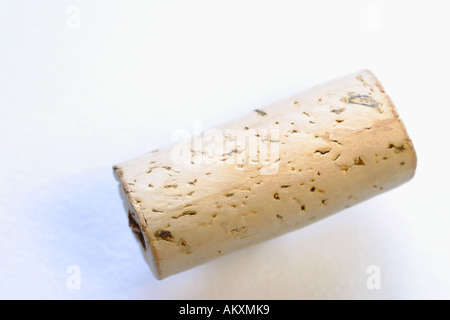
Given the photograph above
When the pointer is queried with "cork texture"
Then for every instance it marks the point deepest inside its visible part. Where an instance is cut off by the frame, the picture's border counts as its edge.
(317, 153)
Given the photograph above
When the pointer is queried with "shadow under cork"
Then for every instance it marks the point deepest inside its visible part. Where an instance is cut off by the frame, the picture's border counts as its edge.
(326, 260)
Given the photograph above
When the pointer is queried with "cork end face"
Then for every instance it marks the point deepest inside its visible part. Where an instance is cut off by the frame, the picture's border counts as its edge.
(118, 172)
(407, 139)
(380, 87)
(414, 157)
(147, 250)
(136, 225)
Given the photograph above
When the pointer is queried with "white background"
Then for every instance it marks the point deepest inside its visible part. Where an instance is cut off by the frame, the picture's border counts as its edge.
(87, 84)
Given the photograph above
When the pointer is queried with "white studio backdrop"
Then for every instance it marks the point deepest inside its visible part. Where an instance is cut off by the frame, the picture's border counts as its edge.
(87, 84)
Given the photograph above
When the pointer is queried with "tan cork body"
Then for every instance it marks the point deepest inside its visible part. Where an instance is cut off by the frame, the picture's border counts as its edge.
(331, 147)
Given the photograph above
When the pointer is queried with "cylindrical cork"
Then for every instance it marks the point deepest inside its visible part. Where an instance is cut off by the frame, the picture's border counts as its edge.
(272, 171)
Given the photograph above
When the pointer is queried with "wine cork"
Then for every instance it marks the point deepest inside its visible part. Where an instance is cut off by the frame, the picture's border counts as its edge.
(275, 170)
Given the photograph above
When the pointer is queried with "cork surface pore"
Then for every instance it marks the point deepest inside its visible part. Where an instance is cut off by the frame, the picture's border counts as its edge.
(336, 144)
